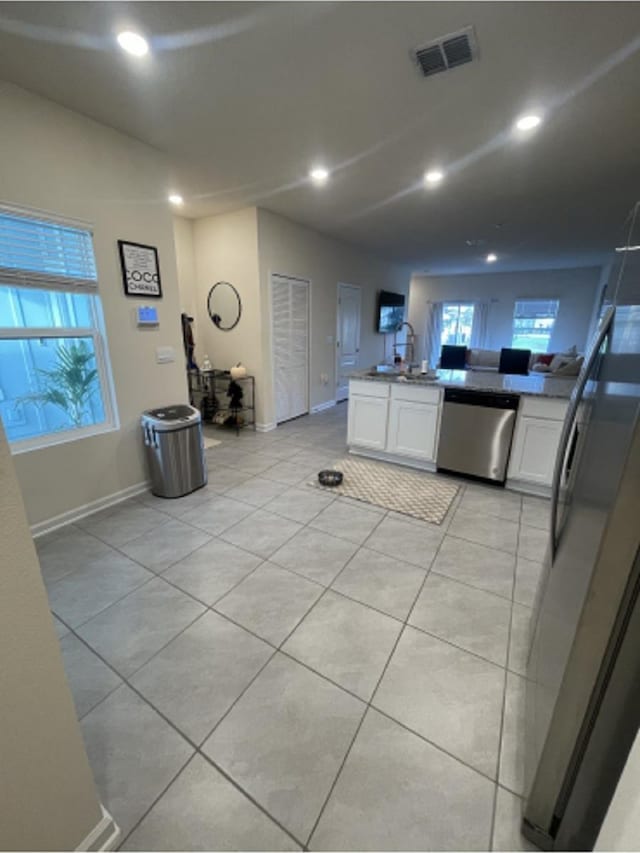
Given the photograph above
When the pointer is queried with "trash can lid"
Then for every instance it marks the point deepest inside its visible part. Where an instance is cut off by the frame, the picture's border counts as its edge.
(171, 417)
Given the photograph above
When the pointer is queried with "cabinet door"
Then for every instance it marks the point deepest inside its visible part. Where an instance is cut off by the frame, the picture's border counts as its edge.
(534, 450)
(412, 429)
(368, 422)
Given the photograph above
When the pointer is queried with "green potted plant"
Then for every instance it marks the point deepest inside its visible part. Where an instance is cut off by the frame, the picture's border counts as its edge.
(71, 382)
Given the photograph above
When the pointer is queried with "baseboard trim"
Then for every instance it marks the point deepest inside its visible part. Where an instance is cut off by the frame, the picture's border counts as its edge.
(104, 835)
(328, 404)
(383, 456)
(265, 427)
(83, 510)
(527, 488)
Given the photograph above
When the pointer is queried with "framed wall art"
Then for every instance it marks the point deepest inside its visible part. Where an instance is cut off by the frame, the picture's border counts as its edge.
(140, 270)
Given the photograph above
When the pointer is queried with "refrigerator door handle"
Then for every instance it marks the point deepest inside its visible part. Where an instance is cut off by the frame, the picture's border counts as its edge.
(569, 421)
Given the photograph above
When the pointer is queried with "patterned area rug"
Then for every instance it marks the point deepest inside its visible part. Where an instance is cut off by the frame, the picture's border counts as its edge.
(416, 493)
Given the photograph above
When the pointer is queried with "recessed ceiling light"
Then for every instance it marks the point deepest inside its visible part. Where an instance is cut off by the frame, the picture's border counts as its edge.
(491, 258)
(174, 198)
(433, 177)
(319, 175)
(528, 122)
(133, 43)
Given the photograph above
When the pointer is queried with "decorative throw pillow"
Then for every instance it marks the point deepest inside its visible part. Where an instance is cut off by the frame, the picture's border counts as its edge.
(570, 368)
(545, 358)
(558, 360)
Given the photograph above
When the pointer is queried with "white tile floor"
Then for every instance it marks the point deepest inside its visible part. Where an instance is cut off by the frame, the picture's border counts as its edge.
(261, 665)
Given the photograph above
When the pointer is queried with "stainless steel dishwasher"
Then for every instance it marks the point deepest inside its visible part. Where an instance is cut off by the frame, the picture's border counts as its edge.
(475, 433)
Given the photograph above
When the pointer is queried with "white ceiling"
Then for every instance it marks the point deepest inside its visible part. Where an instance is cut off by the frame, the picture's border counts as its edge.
(245, 97)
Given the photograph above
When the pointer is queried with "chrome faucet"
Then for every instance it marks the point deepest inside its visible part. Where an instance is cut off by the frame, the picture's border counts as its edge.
(409, 346)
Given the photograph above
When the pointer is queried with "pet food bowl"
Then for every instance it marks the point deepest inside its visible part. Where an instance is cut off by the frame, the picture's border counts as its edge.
(330, 478)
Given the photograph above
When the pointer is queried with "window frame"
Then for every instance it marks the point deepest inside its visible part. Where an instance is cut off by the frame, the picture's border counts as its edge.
(521, 299)
(96, 331)
(459, 303)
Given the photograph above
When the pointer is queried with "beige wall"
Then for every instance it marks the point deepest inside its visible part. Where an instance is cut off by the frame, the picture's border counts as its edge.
(47, 795)
(226, 249)
(185, 264)
(291, 249)
(58, 161)
(575, 288)
(244, 248)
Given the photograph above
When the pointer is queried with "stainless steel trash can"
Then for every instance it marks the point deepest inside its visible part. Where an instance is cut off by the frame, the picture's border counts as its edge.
(175, 450)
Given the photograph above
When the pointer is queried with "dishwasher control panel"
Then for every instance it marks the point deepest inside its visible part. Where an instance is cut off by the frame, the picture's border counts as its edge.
(490, 399)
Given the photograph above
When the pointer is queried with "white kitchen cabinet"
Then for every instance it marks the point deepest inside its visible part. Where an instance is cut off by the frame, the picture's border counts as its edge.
(412, 429)
(534, 450)
(368, 421)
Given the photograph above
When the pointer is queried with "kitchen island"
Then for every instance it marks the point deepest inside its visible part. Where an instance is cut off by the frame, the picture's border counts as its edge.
(398, 418)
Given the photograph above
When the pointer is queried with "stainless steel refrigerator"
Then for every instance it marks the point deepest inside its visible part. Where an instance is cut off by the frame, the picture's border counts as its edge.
(583, 675)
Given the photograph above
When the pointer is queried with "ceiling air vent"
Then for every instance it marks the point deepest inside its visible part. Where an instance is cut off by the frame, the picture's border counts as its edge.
(446, 52)
(431, 60)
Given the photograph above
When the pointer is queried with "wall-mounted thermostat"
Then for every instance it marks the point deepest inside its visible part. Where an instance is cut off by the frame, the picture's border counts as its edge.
(147, 315)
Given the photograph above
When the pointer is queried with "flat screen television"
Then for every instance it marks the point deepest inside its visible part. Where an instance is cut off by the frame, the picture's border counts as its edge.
(390, 311)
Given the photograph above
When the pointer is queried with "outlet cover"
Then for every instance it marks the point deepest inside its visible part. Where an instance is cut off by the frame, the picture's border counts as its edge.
(165, 355)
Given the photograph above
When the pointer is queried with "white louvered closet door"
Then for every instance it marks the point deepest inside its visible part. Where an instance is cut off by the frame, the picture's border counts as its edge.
(290, 309)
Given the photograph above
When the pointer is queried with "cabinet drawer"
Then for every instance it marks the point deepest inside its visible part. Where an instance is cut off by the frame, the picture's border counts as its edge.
(368, 389)
(415, 393)
(541, 407)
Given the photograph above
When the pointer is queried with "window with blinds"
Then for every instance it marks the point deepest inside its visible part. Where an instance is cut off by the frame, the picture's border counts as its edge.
(533, 322)
(54, 376)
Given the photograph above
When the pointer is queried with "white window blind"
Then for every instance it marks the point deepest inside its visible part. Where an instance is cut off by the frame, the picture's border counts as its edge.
(42, 254)
(55, 382)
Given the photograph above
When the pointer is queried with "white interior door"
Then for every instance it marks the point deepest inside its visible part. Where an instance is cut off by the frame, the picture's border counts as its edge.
(290, 313)
(348, 336)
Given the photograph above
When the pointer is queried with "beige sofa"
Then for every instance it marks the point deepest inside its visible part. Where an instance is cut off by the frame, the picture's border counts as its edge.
(560, 364)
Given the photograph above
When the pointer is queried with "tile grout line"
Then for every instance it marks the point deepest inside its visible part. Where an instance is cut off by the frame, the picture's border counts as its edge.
(285, 568)
(183, 767)
(111, 603)
(198, 747)
(193, 744)
(211, 608)
(158, 574)
(369, 606)
(275, 648)
(370, 701)
(504, 694)
(473, 586)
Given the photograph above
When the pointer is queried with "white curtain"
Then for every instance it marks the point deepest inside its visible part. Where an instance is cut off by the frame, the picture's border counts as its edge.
(479, 327)
(433, 333)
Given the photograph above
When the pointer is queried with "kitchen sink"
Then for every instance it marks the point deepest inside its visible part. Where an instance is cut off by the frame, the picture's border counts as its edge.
(395, 374)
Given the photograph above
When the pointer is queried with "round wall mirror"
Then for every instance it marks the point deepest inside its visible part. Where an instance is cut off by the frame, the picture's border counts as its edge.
(224, 306)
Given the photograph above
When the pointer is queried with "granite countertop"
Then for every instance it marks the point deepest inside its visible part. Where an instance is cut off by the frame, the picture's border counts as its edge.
(535, 384)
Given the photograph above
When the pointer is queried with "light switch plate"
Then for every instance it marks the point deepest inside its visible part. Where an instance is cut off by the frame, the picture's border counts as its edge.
(165, 355)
